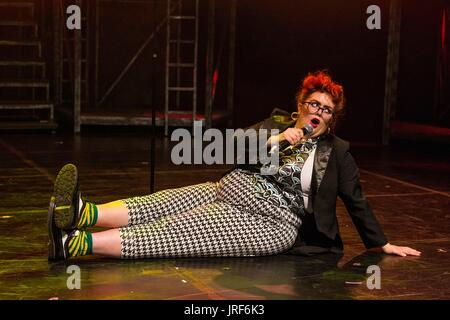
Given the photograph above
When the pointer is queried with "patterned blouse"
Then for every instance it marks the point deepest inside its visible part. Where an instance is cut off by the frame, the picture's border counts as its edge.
(284, 188)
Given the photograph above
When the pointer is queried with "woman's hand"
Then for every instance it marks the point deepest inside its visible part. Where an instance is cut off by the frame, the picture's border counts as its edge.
(292, 135)
(400, 251)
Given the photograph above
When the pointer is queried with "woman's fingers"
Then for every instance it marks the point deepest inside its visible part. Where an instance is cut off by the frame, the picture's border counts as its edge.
(401, 251)
(288, 136)
(404, 251)
(412, 252)
(293, 135)
(298, 133)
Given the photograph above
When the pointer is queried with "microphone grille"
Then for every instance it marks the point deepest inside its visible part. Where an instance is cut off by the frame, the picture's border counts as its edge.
(308, 129)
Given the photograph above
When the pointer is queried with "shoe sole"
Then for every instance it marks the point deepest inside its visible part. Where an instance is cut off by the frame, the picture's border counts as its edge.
(65, 189)
(51, 235)
(54, 236)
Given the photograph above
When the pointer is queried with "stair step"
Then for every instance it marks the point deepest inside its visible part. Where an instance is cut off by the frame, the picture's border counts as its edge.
(19, 105)
(22, 63)
(17, 23)
(20, 43)
(22, 83)
(28, 125)
(17, 4)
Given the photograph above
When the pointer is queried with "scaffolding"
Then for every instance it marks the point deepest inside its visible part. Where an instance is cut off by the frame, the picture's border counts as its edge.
(180, 107)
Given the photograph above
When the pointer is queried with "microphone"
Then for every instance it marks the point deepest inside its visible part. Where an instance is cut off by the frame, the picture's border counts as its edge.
(307, 130)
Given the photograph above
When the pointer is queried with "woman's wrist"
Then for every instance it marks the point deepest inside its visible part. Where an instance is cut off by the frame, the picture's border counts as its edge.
(270, 140)
(278, 138)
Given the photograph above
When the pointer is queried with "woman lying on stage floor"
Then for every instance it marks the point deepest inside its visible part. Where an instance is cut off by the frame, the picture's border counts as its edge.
(243, 214)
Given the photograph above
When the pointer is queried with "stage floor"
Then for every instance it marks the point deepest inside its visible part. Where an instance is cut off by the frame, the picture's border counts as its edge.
(407, 186)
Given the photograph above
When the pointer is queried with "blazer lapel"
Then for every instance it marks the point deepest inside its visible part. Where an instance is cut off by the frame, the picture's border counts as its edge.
(321, 159)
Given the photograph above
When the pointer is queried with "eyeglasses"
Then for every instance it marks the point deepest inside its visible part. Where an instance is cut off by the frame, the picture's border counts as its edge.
(314, 107)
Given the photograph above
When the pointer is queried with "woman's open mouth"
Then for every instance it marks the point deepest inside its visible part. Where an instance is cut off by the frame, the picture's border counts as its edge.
(315, 122)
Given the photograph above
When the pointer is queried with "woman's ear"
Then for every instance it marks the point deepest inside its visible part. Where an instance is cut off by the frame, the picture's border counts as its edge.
(301, 109)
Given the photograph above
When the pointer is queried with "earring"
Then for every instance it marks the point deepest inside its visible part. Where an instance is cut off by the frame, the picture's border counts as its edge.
(329, 129)
(294, 115)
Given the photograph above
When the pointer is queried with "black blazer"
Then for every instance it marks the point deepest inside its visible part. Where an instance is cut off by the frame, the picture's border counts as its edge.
(335, 174)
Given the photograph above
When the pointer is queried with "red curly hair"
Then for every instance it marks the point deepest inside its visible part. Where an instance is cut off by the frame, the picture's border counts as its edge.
(321, 81)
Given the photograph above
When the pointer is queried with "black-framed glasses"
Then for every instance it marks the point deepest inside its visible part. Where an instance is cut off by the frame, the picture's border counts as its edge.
(314, 107)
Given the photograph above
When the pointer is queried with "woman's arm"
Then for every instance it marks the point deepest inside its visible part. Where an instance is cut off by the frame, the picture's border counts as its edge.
(350, 192)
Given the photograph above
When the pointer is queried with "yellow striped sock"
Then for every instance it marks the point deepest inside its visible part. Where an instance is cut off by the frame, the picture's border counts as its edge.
(89, 216)
(80, 244)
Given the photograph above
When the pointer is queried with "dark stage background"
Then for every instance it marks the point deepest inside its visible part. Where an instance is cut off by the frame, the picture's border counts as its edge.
(277, 44)
(281, 44)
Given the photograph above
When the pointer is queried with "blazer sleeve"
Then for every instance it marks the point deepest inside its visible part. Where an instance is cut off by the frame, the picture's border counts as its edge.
(278, 120)
(350, 191)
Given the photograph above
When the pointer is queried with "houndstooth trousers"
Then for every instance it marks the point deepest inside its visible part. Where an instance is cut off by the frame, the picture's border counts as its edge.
(212, 219)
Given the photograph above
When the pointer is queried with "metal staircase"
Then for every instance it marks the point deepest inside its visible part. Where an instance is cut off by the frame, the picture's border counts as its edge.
(24, 89)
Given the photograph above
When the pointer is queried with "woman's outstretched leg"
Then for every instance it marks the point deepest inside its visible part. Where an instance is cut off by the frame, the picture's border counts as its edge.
(69, 215)
(112, 214)
(81, 243)
(150, 208)
(236, 224)
(72, 212)
(212, 230)
(107, 243)
(145, 209)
